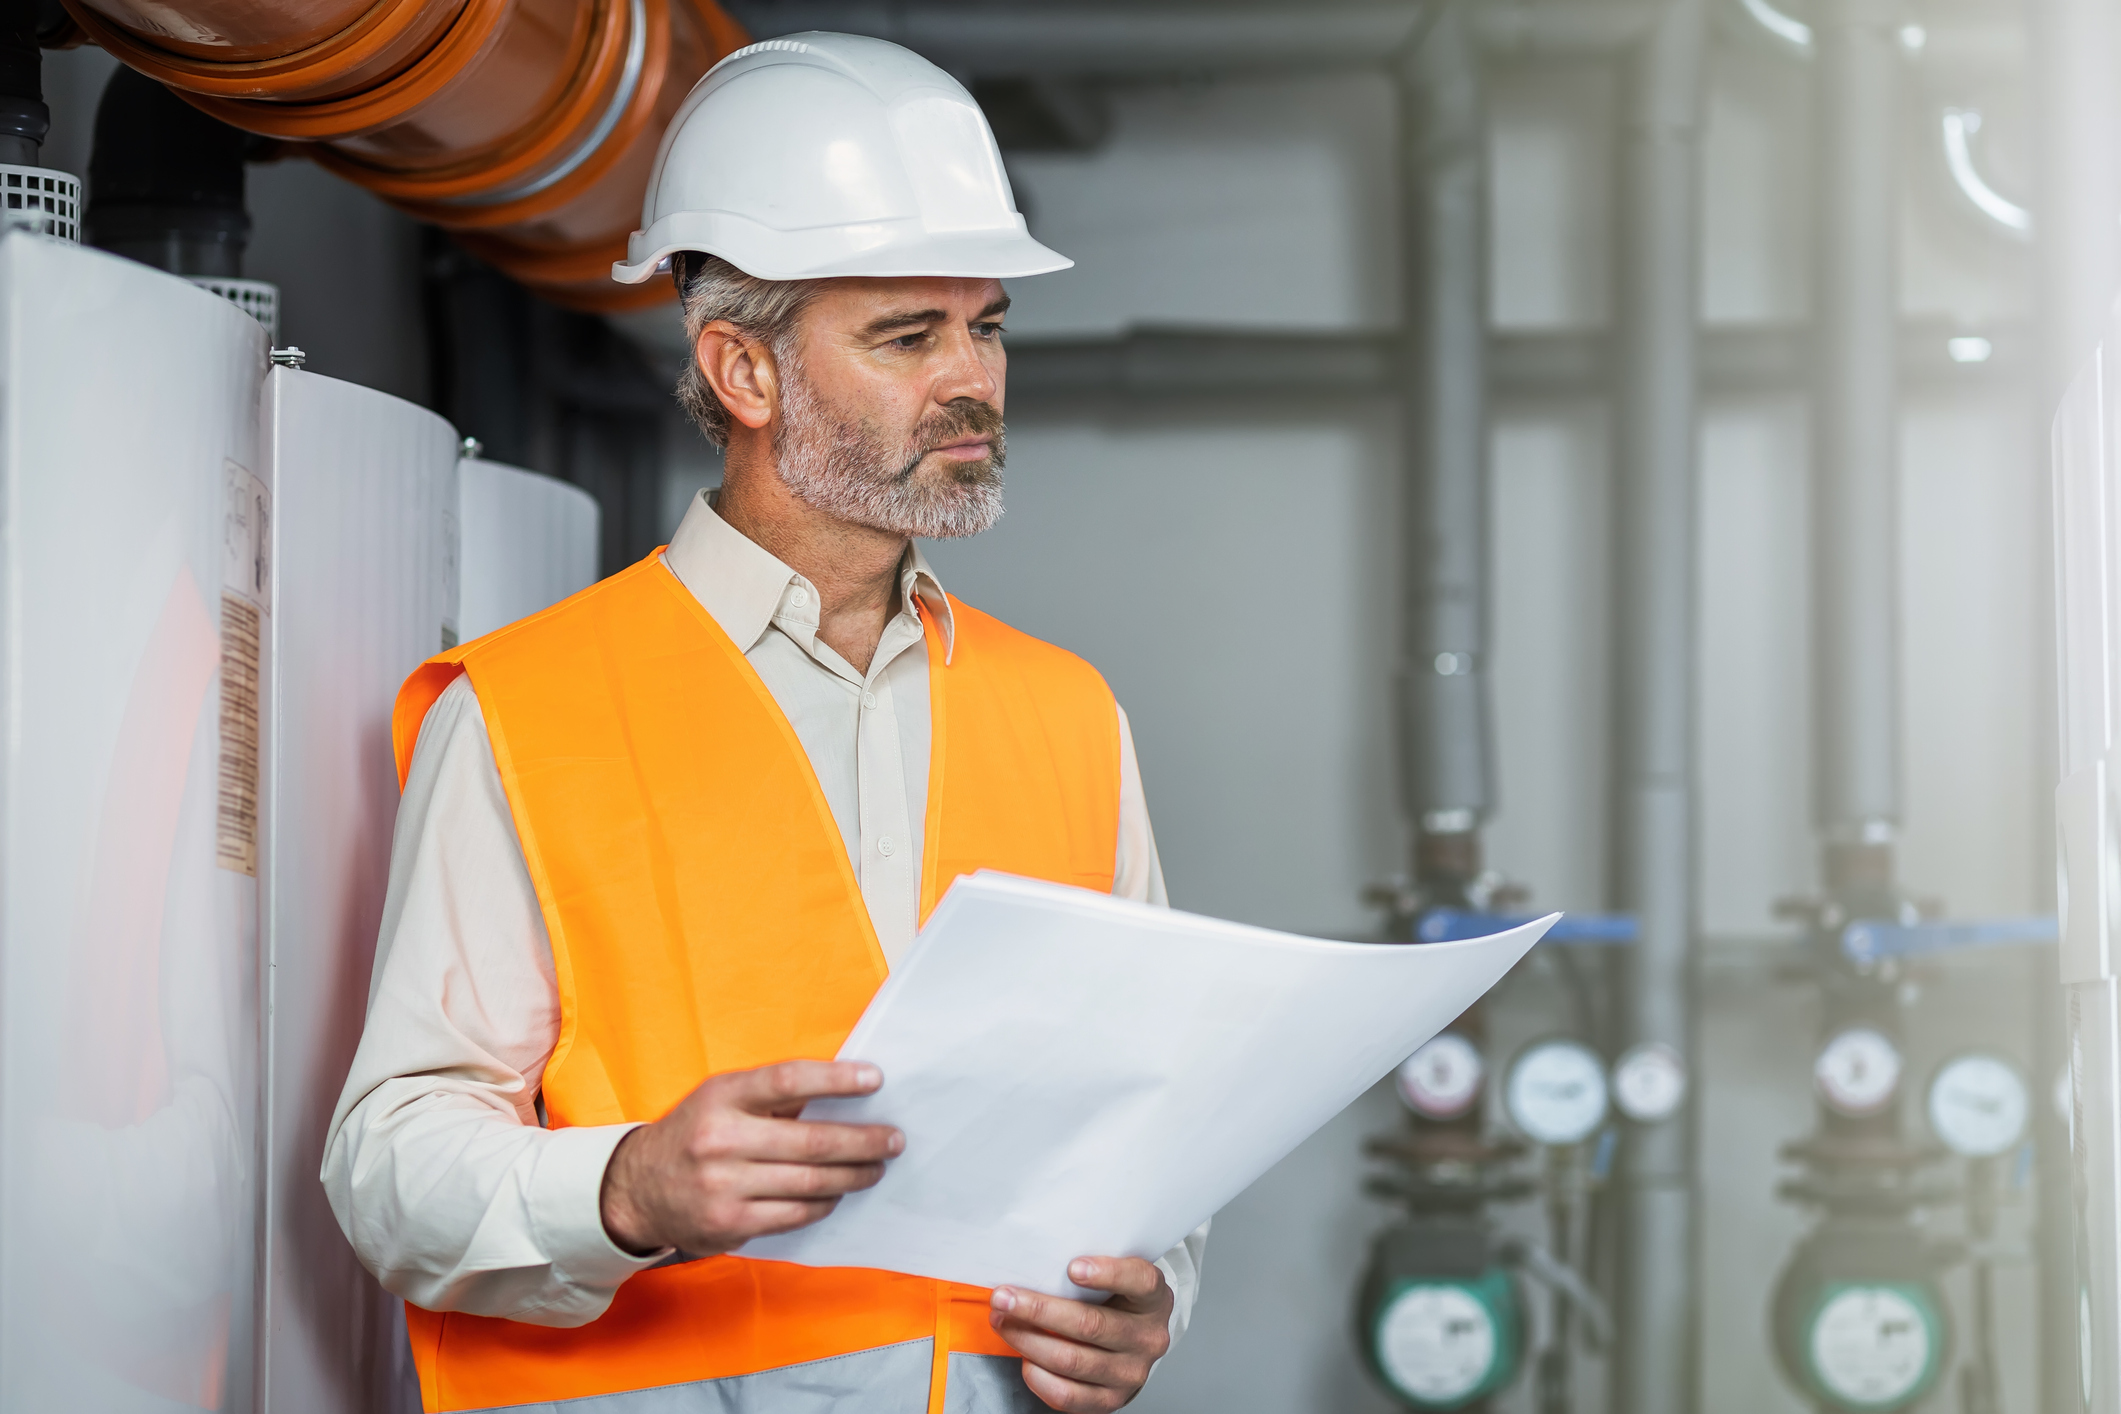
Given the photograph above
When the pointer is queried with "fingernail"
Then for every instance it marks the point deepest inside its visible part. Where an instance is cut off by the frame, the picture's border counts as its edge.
(897, 1145)
(1080, 1270)
(868, 1077)
(1004, 1299)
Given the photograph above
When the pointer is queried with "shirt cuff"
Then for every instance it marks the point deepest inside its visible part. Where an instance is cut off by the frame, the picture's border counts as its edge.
(567, 1209)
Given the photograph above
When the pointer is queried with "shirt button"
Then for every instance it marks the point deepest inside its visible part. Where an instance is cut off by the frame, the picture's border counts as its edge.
(887, 846)
(799, 598)
(869, 699)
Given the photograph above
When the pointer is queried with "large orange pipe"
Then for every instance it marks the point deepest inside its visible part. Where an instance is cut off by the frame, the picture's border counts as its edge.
(526, 127)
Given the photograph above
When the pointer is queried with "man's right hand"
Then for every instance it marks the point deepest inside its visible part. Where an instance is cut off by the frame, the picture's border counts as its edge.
(733, 1162)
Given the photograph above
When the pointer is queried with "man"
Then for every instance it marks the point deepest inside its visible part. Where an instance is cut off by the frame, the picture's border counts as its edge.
(659, 844)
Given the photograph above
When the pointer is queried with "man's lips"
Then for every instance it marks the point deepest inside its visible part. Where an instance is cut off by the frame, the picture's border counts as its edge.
(967, 448)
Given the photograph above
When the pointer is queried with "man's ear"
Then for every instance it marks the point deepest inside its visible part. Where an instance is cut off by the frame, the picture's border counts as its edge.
(741, 372)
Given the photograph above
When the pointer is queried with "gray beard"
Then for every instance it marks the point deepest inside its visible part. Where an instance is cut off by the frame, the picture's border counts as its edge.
(852, 471)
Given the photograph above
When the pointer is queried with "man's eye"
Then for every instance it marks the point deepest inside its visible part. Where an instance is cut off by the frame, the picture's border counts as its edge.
(909, 342)
(988, 331)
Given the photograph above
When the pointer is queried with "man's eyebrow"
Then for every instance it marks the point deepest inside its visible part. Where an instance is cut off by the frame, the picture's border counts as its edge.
(901, 319)
(912, 318)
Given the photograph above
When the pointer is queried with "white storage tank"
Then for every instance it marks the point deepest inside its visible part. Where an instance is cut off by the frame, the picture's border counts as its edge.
(136, 598)
(529, 541)
(365, 547)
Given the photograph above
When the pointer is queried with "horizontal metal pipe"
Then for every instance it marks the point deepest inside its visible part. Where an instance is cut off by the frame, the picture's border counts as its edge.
(1751, 359)
(1106, 40)
(1094, 40)
(1546, 29)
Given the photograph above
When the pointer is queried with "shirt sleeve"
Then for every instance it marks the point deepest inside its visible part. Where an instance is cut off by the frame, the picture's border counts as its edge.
(1136, 872)
(1138, 875)
(436, 1164)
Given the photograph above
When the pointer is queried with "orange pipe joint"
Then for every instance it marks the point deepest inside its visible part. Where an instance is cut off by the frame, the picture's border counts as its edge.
(525, 127)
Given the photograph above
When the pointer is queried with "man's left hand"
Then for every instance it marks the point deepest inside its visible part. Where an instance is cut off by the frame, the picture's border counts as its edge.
(1086, 1359)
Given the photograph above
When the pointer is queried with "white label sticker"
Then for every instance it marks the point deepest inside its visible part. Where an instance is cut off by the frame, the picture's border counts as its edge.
(246, 535)
(236, 808)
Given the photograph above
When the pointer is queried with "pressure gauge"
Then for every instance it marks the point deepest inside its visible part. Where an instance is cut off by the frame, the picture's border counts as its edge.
(1437, 1343)
(1872, 1347)
(1858, 1072)
(1649, 1082)
(1442, 1080)
(1556, 1093)
(1978, 1106)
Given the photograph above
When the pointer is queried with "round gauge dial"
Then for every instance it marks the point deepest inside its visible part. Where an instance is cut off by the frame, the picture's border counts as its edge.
(1442, 1080)
(1871, 1347)
(1978, 1106)
(1858, 1071)
(1437, 1343)
(1649, 1082)
(1556, 1093)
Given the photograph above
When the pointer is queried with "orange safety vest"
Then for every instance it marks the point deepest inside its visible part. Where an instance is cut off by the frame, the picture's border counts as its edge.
(704, 918)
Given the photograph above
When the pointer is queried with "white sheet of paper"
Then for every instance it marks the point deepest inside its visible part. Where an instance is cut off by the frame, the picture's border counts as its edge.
(1080, 1075)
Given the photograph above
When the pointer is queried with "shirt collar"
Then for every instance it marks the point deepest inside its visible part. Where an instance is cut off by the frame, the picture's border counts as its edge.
(740, 583)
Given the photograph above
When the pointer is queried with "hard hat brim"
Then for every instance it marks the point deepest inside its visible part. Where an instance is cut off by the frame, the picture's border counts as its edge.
(823, 254)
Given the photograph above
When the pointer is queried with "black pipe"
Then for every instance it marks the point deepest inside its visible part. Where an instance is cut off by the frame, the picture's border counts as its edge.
(24, 118)
(166, 182)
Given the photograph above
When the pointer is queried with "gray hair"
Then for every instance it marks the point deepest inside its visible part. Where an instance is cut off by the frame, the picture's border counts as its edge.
(711, 289)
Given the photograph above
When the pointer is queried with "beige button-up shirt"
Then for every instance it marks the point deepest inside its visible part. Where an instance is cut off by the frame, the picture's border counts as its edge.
(436, 1163)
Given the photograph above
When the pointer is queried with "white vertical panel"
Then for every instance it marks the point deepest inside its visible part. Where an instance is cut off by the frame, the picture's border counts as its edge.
(1753, 672)
(1552, 638)
(1972, 790)
(1550, 185)
(528, 541)
(367, 495)
(128, 957)
(2085, 541)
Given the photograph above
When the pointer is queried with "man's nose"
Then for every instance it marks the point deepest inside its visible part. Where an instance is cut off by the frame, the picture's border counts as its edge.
(965, 375)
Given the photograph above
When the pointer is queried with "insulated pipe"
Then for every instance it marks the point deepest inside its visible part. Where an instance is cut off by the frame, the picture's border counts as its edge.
(1660, 164)
(1443, 694)
(1855, 443)
(526, 127)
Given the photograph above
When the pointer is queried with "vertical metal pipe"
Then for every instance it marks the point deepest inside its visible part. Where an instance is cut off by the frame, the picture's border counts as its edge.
(1443, 696)
(2078, 228)
(1855, 439)
(1655, 543)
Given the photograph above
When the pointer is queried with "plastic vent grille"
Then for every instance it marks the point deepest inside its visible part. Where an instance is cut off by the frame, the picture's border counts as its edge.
(259, 299)
(41, 200)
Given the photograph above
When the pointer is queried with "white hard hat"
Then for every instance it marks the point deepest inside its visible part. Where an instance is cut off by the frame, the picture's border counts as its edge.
(833, 154)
